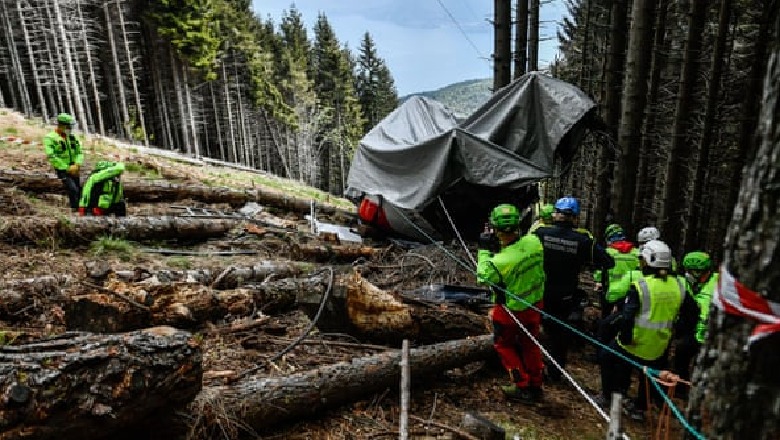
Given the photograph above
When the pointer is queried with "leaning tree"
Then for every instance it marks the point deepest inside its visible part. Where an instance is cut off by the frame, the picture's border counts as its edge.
(738, 388)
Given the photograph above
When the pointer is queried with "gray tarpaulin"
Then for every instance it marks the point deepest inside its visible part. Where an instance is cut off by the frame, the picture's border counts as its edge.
(419, 150)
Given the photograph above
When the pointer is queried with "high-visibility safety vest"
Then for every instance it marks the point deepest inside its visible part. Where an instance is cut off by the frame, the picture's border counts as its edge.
(625, 262)
(660, 301)
(519, 267)
(703, 296)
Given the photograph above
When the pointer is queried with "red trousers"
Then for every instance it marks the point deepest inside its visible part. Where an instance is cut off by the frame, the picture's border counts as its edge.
(515, 348)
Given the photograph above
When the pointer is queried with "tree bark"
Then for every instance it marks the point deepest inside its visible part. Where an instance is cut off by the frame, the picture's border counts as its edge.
(224, 278)
(695, 237)
(737, 394)
(356, 306)
(633, 107)
(679, 154)
(533, 37)
(521, 39)
(264, 402)
(82, 386)
(327, 252)
(81, 230)
(161, 191)
(502, 43)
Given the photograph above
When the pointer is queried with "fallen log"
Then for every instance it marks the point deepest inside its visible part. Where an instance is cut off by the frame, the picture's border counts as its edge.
(82, 386)
(121, 306)
(162, 191)
(360, 308)
(331, 252)
(225, 278)
(262, 403)
(82, 230)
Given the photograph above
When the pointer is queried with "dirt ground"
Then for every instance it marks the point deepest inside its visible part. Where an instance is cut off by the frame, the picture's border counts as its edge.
(439, 403)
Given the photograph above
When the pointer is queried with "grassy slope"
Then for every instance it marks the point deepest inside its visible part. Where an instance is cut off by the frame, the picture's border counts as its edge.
(30, 157)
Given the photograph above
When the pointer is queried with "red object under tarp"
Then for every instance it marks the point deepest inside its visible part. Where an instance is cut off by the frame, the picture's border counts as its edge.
(373, 214)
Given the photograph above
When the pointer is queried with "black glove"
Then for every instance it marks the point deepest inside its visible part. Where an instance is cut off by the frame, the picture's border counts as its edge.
(488, 241)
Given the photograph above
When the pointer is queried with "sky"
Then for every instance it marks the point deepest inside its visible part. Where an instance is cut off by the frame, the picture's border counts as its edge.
(424, 47)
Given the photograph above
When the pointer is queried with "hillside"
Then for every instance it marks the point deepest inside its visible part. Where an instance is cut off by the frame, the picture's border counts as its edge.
(463, 97)
(230, 288)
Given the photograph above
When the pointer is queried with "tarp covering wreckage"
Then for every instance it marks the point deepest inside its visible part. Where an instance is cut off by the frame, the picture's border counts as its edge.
(420, 157)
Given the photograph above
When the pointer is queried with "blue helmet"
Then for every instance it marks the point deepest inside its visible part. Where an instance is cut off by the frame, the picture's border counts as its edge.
(568, 205)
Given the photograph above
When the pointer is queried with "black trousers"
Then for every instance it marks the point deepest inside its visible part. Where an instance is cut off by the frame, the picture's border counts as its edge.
(685, 352)
(616, 375)
(558, 336)
(72, 187)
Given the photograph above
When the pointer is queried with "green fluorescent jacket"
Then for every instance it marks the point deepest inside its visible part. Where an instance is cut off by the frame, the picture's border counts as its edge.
(103, 188)
(62, 152)
(519, 268)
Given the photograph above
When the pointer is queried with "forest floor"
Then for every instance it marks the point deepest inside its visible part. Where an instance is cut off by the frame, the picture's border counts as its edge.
(475, 388)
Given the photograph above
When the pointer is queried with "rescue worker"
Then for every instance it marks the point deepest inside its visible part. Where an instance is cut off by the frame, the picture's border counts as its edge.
(702, 280)
(566, 252)
(626, 257)
(545, 217)
(103, 193)
(512, 265)
(655, 304)
(63, 150)
(617, 290)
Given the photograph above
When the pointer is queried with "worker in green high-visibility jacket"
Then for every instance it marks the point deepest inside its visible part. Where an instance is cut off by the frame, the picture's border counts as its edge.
(63, 150)
(702, 280)
(103, 193)
(657, 305)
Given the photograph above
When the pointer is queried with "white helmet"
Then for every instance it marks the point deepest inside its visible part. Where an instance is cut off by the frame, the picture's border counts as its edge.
(647, 234)
(657, 254)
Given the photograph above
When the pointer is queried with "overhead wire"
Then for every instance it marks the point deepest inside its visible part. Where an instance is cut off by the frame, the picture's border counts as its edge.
(462, 31)
(650, 372)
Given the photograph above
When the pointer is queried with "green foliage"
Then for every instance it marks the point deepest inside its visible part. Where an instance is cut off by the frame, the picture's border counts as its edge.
(7, 337)
(10, 130)
(190, 26)
(374, 85)
(107, 245)
(461, 98)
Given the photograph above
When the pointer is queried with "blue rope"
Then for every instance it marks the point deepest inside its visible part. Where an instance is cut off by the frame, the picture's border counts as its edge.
(650, 372)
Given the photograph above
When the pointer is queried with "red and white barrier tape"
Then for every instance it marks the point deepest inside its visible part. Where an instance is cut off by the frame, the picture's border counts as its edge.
(735, 298)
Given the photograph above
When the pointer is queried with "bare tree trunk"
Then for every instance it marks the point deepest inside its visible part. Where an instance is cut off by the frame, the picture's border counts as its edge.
(616, 61)
(533, 39)
(131, 67)
(74, 85)
(585, 70)
(633, 107)
(679, 155)
(648, 145)
(93, 80)
(36, 79)
(16, 64)
(521, 39)
(736, 393)
(502, 43)
(696, 234)
(118, 74)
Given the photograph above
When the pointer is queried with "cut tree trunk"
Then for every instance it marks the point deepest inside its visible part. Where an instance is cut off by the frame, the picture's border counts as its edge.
(161, 191)
(124, 306)
(357, 307)
(262, 403)
(81, 386)
(82, 230)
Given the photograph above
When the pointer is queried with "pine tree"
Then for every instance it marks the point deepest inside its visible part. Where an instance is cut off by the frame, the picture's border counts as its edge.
(375, 85)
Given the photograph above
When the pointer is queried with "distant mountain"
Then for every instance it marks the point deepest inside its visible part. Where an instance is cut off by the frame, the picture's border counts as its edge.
(463, 97)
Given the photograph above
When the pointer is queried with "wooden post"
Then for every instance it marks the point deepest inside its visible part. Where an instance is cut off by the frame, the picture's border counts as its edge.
(614, 417)
(403, 428)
